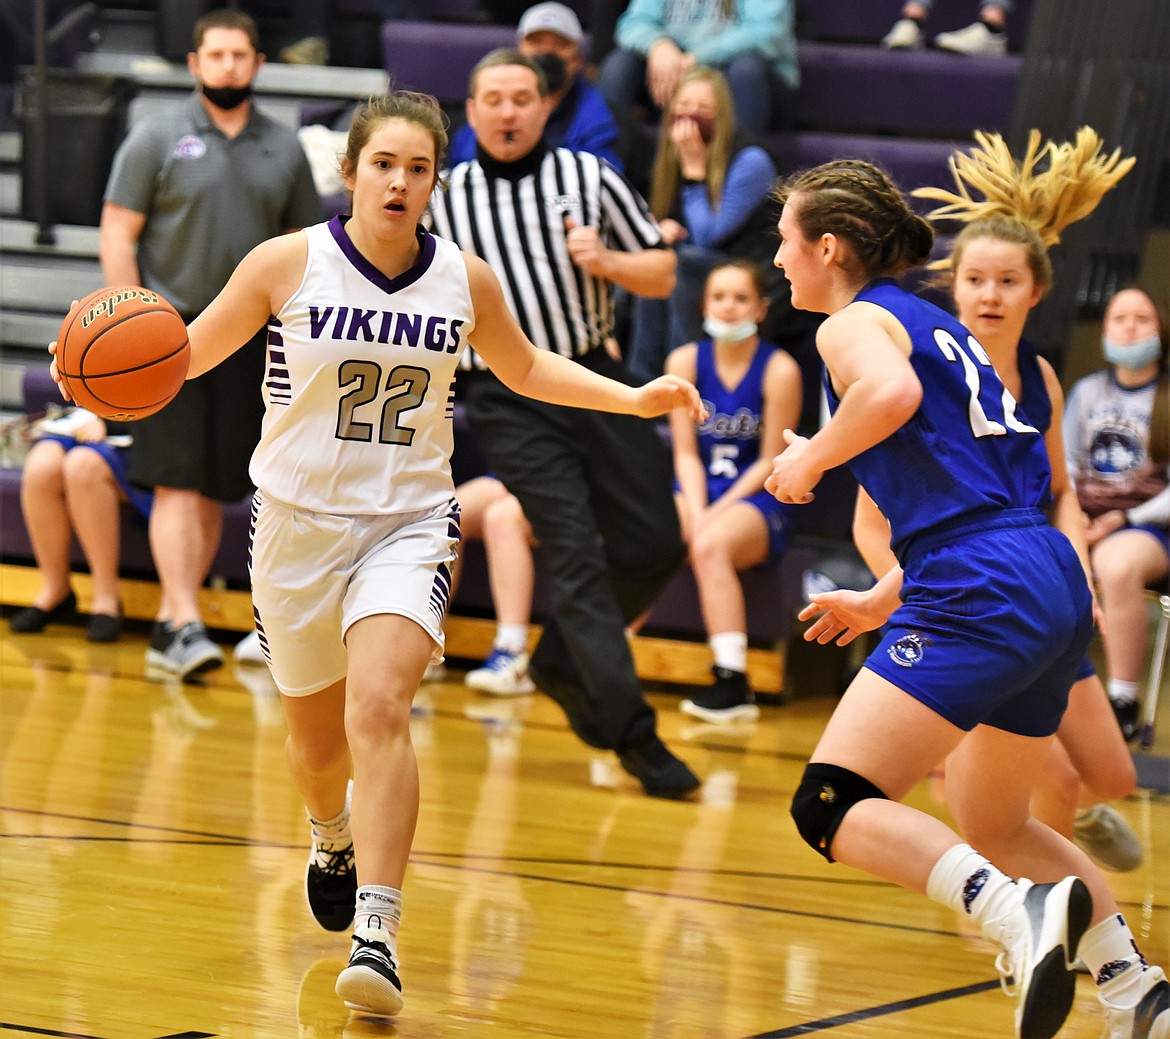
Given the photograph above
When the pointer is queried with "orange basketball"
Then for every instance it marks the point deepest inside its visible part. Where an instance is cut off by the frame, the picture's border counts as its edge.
(122, 353)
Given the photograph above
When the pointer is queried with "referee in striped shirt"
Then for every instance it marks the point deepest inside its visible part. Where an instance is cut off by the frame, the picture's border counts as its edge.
(560, 228)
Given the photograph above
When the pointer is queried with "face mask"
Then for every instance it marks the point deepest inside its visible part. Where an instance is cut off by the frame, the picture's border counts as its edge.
(554, 71)
(1132, 355)
(227, 98)
(727, 331)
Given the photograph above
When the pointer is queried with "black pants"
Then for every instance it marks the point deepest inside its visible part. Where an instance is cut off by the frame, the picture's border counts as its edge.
(597, 490)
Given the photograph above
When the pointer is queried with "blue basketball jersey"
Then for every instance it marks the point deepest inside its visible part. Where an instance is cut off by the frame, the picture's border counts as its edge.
(965, 454)
(729, 439)
(1034, 399)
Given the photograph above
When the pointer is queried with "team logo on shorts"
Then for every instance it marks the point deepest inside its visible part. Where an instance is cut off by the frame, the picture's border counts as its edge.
(190, 147)
(909, 649)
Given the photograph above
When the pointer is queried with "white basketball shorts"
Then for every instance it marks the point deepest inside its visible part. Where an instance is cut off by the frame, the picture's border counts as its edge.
(314, 574)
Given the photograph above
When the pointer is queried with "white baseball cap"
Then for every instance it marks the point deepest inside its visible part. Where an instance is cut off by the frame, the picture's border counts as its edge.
(550, 17)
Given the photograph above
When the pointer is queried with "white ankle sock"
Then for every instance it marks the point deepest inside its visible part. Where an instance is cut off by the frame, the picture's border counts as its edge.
(730, 650)
(1111, 954)
(379, 908)
(1121, 691)
(335, 831)
(511, 638)
(964, 880)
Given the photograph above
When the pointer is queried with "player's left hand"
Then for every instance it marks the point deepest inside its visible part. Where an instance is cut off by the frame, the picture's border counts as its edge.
(793, 475)
(844, 615)
(666, 393)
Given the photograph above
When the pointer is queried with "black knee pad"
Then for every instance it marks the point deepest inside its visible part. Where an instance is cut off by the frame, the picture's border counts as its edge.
(825, 794)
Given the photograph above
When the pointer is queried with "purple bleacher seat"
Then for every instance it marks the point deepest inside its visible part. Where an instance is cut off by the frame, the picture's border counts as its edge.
(866, 89)
(913, 163)
(438, 57)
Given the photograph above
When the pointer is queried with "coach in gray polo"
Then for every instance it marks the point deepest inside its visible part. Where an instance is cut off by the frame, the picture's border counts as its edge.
(192, 191)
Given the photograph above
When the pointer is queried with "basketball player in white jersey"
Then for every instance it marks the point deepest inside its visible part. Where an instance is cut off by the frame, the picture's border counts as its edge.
(355, 521)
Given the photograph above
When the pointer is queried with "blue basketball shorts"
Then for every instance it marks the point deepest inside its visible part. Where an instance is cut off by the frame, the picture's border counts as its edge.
(779, 518)
(118, 459)
(994, 627)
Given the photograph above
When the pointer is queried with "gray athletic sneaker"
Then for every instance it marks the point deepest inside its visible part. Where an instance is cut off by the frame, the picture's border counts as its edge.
(1103, 834)
(186, 653)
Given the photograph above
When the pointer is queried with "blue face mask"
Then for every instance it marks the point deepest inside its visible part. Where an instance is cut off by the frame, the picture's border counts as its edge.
(727, 331)
(1133, 356)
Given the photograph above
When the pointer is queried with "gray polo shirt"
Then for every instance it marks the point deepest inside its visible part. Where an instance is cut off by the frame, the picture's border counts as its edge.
(208, 199)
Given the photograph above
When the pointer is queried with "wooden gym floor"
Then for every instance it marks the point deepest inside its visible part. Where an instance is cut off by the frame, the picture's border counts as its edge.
(152, 854)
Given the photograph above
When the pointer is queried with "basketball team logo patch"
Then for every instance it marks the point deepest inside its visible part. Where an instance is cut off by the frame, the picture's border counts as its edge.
(909, 649)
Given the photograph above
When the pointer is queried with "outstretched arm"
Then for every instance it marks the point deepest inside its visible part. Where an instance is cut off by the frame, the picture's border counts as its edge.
(546, 376)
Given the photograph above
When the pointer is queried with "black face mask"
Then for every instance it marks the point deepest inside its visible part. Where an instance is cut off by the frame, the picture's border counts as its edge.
(554, 71)
(227, 98)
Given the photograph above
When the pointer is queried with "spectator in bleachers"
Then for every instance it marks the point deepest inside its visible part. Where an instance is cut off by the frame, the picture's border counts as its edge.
(1118, 443)
(986, 35)
(752, 42)
(193, 188)
(751, 390)
(75, 481)
(309, 26)
(489, 513)
(550, 33)
(710, 192)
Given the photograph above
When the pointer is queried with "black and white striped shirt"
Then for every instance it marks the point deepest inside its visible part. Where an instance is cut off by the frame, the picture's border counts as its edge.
(513, 216)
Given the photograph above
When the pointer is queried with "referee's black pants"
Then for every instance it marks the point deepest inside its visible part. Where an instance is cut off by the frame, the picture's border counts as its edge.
(597, 490)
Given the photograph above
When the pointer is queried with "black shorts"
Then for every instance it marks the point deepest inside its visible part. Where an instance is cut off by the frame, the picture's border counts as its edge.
(203, 440)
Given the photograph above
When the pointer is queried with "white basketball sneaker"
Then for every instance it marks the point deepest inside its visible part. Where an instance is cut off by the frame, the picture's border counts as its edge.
(1150, 1019)
(503, 674)
(1039, 941)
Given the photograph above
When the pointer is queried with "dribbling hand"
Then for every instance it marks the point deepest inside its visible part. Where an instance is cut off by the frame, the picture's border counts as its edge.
(53, 364)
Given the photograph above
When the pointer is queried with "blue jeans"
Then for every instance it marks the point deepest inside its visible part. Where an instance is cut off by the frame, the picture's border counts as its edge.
(759, 96)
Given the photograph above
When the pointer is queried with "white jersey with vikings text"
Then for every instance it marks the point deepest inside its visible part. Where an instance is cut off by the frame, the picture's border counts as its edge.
(358, 391)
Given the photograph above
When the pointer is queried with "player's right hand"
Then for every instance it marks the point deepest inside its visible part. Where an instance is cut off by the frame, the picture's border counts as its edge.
(53, 370)
(55, 373)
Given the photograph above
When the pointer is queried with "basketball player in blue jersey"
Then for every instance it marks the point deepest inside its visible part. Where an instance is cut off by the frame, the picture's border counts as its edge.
(355, 524)
(989, 612)
(751, 390)
(998, 270)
